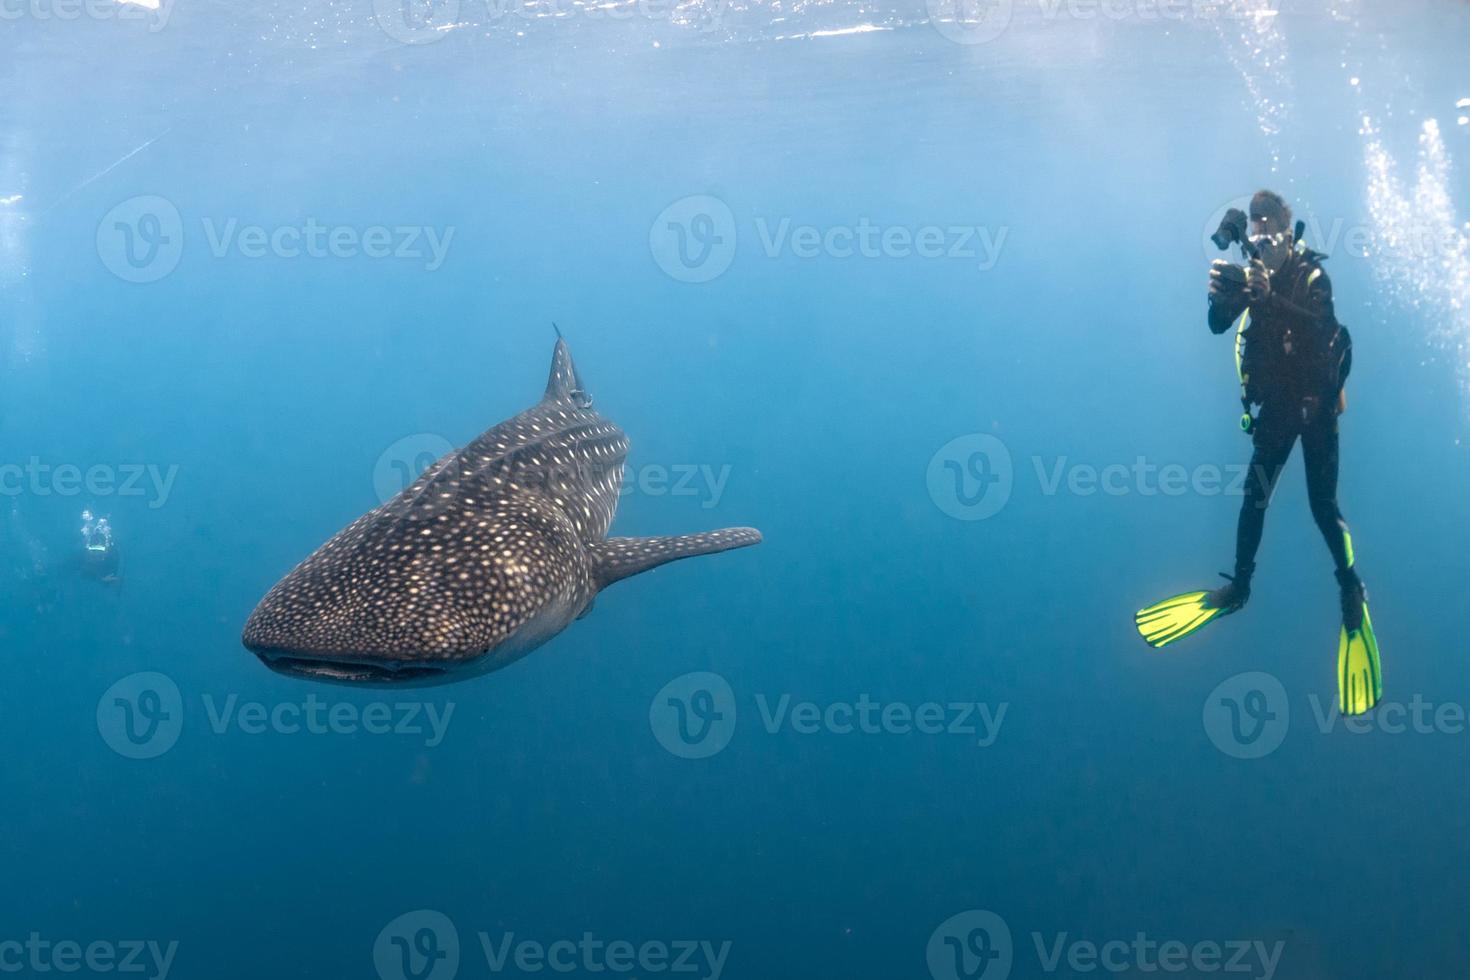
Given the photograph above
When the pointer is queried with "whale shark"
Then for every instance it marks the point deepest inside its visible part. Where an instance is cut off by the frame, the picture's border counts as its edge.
(492, 551)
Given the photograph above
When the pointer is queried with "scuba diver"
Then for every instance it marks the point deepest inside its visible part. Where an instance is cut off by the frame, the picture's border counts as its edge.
(99, 554)
(1293, 359)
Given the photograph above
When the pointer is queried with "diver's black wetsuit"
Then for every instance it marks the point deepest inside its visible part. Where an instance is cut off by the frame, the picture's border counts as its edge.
(1295, 371)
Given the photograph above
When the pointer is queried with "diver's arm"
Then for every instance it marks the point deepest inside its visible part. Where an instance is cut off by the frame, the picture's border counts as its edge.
(1225, 309)
(1227, 299)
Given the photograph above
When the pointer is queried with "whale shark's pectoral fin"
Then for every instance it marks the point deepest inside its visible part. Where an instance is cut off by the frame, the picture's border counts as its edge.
(617, 558)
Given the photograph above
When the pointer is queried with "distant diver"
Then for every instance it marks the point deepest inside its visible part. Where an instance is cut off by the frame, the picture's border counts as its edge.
(99, 551)
(494, 550)
(1293, 359)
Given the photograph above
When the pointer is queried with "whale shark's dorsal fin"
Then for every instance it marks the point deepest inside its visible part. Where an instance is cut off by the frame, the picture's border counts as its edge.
(564, 385)
(614, 559)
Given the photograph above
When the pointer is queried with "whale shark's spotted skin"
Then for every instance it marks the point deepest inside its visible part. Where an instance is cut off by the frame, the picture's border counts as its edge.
(488, 554)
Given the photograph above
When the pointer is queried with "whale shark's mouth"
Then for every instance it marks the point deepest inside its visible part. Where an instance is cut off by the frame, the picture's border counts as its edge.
(348, 671)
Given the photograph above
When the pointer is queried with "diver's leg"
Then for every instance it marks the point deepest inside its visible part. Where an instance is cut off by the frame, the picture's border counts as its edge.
(1273, 441)
(1359, 667)
(1320, 452)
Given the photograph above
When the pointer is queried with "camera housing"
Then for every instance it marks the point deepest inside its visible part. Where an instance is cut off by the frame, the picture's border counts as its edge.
(1232, 229)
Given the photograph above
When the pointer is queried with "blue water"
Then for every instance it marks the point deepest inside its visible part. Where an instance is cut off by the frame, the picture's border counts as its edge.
(1065, 173)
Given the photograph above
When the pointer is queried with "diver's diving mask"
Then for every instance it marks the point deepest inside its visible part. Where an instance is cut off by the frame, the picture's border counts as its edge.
(1272, 249)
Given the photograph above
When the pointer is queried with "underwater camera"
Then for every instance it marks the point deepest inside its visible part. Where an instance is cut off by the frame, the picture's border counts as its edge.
(1232, 229)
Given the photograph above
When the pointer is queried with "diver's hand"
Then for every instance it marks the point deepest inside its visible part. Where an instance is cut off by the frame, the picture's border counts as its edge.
(1226, 278)
(1257, 282)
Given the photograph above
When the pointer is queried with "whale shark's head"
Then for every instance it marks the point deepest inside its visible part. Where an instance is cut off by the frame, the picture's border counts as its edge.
(395, 600)
(298, 639)
(453, 576)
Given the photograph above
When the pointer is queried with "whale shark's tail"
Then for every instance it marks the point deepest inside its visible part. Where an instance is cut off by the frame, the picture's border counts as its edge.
(617, 558)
